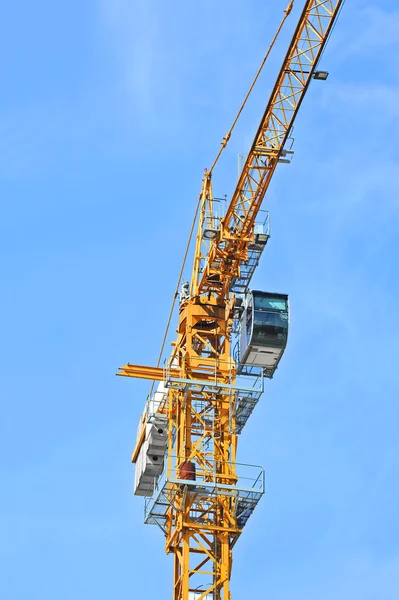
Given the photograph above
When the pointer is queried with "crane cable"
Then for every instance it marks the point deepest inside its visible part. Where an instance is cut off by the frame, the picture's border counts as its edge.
(208, 173)
(228, 134)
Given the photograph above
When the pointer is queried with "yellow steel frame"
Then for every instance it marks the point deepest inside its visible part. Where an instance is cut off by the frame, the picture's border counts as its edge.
(221, 263)
(201, 426)
(202, 431)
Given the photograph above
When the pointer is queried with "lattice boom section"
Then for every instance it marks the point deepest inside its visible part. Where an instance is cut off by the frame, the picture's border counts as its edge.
(231, 250)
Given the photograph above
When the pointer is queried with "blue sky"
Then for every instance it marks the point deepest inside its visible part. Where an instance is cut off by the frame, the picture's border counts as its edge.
(109, 112)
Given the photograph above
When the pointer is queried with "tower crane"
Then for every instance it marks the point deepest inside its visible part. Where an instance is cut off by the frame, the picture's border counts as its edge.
(230, 338)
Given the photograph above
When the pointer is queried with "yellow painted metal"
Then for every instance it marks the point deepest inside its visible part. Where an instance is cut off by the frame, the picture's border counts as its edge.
(202, 529)
(202, 245)
(142, 372)
(230, 250)
(202, 432)
(140, 441)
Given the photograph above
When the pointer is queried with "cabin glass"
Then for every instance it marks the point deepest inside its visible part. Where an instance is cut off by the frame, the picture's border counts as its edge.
(270, 320)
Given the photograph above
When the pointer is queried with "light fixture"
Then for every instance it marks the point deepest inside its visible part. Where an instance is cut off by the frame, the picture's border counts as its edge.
(261, 238)
(322, 75)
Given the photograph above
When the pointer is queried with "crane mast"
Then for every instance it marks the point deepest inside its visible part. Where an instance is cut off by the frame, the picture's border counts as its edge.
(185, 454)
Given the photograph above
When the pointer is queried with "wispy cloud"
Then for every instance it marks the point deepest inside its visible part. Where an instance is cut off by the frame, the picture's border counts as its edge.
(382, 99)
(378, 29)
(134, 36)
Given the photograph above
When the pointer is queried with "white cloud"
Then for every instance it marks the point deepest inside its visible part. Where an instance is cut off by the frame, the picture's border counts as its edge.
(378, 29)
(134, 36)
(364, 30)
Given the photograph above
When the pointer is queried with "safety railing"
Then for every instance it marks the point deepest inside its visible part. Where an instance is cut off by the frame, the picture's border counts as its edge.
(242, 482)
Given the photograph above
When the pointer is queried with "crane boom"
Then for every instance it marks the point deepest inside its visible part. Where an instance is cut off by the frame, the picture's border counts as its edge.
(185, 453)
(229, 250)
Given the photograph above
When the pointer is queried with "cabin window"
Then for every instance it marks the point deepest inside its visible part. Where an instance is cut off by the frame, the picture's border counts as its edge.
(269, 303)
(270, 328)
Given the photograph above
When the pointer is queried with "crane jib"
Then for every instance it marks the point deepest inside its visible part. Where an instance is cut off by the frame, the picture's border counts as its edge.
(230, 249)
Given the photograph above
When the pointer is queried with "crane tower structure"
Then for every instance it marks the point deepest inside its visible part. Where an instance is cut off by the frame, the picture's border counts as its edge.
(229, 339)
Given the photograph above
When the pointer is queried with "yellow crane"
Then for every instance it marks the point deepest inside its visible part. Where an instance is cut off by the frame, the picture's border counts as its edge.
(229, 339)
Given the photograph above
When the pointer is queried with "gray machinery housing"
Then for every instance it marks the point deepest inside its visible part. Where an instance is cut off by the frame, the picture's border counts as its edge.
(264, 331)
